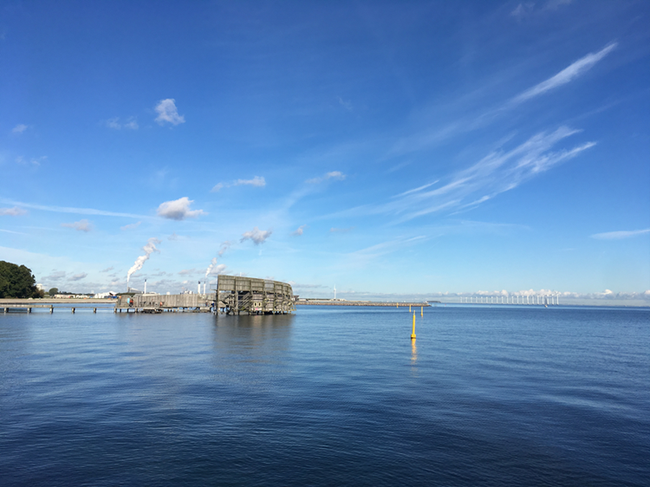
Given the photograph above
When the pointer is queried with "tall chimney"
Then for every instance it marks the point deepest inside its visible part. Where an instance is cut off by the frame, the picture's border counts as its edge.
(145, 286)
(199, 287)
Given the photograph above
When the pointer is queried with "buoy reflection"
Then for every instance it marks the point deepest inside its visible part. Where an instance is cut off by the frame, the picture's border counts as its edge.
(414, 353)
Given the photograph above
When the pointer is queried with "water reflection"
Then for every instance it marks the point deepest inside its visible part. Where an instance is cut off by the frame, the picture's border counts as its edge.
(251, 345)
(414, 352)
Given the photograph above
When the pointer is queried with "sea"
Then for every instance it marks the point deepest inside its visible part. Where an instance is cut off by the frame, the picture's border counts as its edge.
(484, 396)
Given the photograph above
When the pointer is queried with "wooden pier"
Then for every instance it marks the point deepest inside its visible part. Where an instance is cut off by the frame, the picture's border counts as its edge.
(247, 295)
(233, 295)
(73, 305)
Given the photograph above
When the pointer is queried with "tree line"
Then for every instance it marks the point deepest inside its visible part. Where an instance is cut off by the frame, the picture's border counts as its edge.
(17, 282)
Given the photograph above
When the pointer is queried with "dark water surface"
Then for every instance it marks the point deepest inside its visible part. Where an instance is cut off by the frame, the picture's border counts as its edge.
(486, 396)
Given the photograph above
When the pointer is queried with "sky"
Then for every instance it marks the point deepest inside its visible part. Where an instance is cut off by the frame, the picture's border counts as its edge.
(382, 148)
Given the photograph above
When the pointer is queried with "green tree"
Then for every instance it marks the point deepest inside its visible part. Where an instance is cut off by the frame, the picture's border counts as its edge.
(53, 291)
(17, 282)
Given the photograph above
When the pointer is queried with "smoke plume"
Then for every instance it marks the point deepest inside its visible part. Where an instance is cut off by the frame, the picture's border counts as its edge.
(139, 262)
(211, 266)
(224, 246)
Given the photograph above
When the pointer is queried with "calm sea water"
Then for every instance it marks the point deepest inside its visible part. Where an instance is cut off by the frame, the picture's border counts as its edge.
(328, 396)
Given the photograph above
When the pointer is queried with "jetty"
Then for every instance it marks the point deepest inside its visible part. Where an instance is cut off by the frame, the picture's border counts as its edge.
(233, 295)
(73, 305)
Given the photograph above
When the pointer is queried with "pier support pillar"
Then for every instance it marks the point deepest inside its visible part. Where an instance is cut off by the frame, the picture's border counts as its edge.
(51, 309)
(94, 310)
(29, 310)
(72, 310)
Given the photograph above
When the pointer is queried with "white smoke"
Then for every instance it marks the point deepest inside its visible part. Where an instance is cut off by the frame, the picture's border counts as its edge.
(224, 246)
(211, 266)
(139, 262)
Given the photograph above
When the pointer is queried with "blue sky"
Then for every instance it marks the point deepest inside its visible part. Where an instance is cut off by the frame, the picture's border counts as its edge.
(385, 148)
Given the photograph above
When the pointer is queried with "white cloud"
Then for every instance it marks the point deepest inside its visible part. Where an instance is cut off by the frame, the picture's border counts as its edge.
(65, 209)
(189, 272)
(335, 175)
(620, 235)
(78, 277)
(218, 187)
(167, 112)
(131, 124)
(522, 10)
(526, 9)
(34, 161)
(81, 226)
(15, 211)
(257, 181)
(19, 129)
(55, 276)
(115, 124)
(131, 226)
(345, 104)
(256, 235)
(567, 74)
(300, 230)
(178, 209)
(107, 269)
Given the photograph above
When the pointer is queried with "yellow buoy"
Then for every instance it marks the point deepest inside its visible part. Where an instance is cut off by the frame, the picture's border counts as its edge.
(413, 334)
(421, 310)
(409, 308)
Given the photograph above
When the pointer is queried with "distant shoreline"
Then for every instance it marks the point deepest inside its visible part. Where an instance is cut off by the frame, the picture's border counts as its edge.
(395, 304)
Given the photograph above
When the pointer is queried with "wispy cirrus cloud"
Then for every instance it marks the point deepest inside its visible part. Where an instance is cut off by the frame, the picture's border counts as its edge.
(34, 161)
(333, 175)
(299, 231)
(497, 172)
(620, 234)
(15, 211)
(529, 8)
(168, 113)
(68, 209)
(568, 74)
(178, 209)
(485, 116)
(81, 226)
(257, 181)
(19, 129)
(131, 226)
